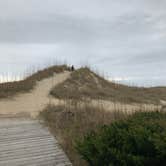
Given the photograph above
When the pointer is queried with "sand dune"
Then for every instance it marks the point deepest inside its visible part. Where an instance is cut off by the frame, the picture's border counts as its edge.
(33, 102)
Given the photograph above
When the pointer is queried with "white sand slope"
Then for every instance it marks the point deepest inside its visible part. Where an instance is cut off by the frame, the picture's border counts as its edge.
(34, 101)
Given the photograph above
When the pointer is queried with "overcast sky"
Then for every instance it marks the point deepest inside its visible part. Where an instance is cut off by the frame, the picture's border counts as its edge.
(126, 39)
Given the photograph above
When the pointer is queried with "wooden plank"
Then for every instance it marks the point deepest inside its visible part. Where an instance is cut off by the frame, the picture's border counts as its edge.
(25, 142)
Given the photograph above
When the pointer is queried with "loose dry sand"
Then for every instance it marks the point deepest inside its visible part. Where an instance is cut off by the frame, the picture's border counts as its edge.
(31, 103)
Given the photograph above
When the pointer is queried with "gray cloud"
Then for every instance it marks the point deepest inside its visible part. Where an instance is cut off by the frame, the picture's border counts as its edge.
(123, 38)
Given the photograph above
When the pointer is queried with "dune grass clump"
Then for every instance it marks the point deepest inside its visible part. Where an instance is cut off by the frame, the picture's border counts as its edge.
(138, 141)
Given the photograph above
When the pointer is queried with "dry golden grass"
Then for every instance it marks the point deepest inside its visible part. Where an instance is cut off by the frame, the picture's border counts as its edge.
(11, 88)
(73, 120)
(84, 83)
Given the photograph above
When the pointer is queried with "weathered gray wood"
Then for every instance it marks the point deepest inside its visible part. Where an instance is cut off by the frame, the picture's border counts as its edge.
(25, 142)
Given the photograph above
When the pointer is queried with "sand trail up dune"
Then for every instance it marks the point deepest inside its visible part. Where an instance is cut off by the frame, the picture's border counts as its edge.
(31, 103)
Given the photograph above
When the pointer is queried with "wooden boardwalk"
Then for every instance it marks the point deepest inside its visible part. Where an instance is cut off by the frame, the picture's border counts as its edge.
(25, 142)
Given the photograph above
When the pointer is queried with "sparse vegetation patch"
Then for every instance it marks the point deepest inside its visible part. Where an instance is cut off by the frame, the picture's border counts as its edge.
(12, 88)
(84, 83)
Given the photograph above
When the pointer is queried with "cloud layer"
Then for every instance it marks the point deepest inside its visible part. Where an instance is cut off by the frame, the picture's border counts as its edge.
(123, 38)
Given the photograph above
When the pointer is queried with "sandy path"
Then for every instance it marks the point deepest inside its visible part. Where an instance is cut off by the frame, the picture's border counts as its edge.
(33, 102)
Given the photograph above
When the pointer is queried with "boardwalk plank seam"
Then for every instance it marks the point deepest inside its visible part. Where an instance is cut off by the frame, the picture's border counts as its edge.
(26, 142)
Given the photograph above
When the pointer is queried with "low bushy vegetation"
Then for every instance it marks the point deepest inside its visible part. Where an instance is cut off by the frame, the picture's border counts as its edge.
(138, 141)
(11, 88)
(84, 83)
(72, 121)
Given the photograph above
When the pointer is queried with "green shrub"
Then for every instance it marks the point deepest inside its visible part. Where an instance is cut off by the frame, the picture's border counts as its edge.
(139, 140)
